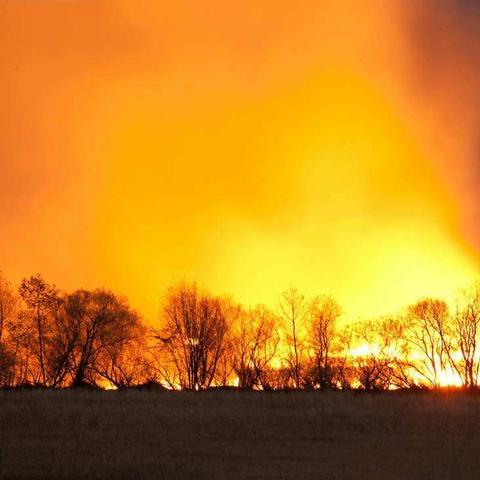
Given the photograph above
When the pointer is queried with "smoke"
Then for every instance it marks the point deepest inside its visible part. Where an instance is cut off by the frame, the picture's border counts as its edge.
(444, 82)
(248, 146)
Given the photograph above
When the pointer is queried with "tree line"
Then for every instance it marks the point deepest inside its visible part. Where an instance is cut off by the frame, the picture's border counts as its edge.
(54, 339)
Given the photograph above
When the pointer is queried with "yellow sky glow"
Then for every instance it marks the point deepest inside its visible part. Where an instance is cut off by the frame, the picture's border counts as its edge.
(246, 147)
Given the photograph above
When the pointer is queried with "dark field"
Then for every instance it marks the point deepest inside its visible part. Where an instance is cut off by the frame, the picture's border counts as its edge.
(146, 435)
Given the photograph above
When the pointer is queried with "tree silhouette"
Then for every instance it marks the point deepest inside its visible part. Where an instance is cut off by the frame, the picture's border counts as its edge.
(194, 335)
(254, 346)
(98, 326)
(8, 304)
(42, 300)
(292, 311)
(53, 339)
(467, 329)
(324, 313)
(429, 336)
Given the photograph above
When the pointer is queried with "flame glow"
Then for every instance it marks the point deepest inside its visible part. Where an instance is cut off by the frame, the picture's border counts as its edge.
(247, 146)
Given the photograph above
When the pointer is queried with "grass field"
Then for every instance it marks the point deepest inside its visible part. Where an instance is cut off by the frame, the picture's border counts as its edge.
(222, 435)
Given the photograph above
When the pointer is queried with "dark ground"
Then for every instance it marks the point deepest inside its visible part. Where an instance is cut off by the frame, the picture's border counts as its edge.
(222, 435)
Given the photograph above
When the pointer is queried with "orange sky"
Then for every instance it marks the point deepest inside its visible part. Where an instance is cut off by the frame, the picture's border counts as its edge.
(329, 144)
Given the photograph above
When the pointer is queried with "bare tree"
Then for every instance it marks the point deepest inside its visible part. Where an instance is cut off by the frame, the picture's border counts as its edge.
(371, 365)
(225, 371)
(8, 304)
(99, 325)
(194, 334)
(41, 300)
(343, 370)
(467, 330)
(124, 364)
(8, 312)
(385, 363)
(21, 340)
(324, 313)
(396, 350)
(293, 308)
(161, 361)
(431, 338)
(254, 344)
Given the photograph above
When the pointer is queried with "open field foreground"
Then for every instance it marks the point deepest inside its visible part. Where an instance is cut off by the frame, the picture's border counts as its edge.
(151, 435)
